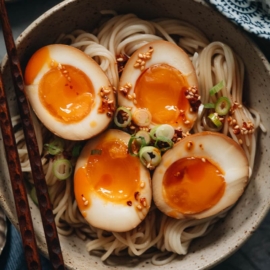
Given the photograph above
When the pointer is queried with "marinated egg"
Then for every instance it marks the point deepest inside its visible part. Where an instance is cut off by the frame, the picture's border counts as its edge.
(160, 77)
(201, 176)
(112, 188)
(69, 92)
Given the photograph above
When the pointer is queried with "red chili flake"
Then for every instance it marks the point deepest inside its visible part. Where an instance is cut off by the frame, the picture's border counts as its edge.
(129, 203)
(136, 195)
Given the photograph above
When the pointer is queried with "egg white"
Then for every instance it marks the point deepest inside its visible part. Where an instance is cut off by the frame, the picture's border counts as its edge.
(94, 122)
(164, 53)
(217, 149)
(108, 215)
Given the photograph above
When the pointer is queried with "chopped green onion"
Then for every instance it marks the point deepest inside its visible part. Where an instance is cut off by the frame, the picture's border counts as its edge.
(145, 135)
(55, 147)
(33, 195)
(223, 106)
(96, 152)
(62, 169)
(161, 141)
(76, 150)
(215, 119)
(165, 130)
(150, 156)
(215, 89)
(122, 117)
(135, 144)
(153, 132)
(142, 117)
(209, 106)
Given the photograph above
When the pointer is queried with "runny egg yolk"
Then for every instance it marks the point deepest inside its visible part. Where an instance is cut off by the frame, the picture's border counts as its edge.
(192, 185)
(65, 91)
(161, 89)
(112, 174)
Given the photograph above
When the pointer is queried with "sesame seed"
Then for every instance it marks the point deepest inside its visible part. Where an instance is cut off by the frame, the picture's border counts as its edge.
(143, 202)
(203, 160)
(135, 101)
(136, 65)
(187, 122)
(107, 91)
(240, 141)
(142, 184)
(140, 55)
(85, 203)
(142, 67)
(129, 96)
(139, 207)
(120, 59)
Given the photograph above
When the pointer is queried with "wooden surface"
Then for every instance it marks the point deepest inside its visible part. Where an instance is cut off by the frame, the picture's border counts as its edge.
(255, 253)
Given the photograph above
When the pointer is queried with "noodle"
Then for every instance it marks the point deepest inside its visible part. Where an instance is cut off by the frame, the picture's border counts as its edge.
(158, 236)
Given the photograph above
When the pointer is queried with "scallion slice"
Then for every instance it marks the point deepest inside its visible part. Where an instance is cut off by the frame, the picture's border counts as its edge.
(215, 89)
(135, 144)
(62, 169)
(165, 131)
(76, 150)
(122, 117)
(209, 106)
(145, 135)
(153, 132)
(215, 119)
(150, 156)
(223, 106)
(163, 143)
(141, 117)
(96, 152)
(55, 147)
(33, 195)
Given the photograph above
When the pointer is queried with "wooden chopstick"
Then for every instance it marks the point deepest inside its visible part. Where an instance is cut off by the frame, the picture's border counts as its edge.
(45, 206)
(17, 182)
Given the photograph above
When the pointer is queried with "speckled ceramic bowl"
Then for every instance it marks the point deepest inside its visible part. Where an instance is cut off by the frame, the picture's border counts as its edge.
(245, 217)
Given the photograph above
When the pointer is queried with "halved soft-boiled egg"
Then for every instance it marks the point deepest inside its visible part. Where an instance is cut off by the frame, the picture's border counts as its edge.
(160, 77)
(112, 188)
(201, 176)
(69, 92)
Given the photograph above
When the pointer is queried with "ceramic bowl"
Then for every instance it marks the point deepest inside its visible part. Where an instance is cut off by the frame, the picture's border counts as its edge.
(246, 216)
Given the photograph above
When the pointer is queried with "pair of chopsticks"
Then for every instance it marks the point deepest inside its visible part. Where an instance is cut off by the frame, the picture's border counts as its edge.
(16, 176)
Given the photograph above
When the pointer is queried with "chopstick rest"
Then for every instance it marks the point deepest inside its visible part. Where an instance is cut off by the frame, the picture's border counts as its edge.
(45, 206)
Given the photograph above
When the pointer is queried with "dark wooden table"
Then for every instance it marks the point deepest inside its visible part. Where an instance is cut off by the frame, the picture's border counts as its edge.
(255, 253)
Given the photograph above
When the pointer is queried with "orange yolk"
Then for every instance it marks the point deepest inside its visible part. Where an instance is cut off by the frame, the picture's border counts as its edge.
(192, 185)
(161, 89)
(67, 93)
(112, 174)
